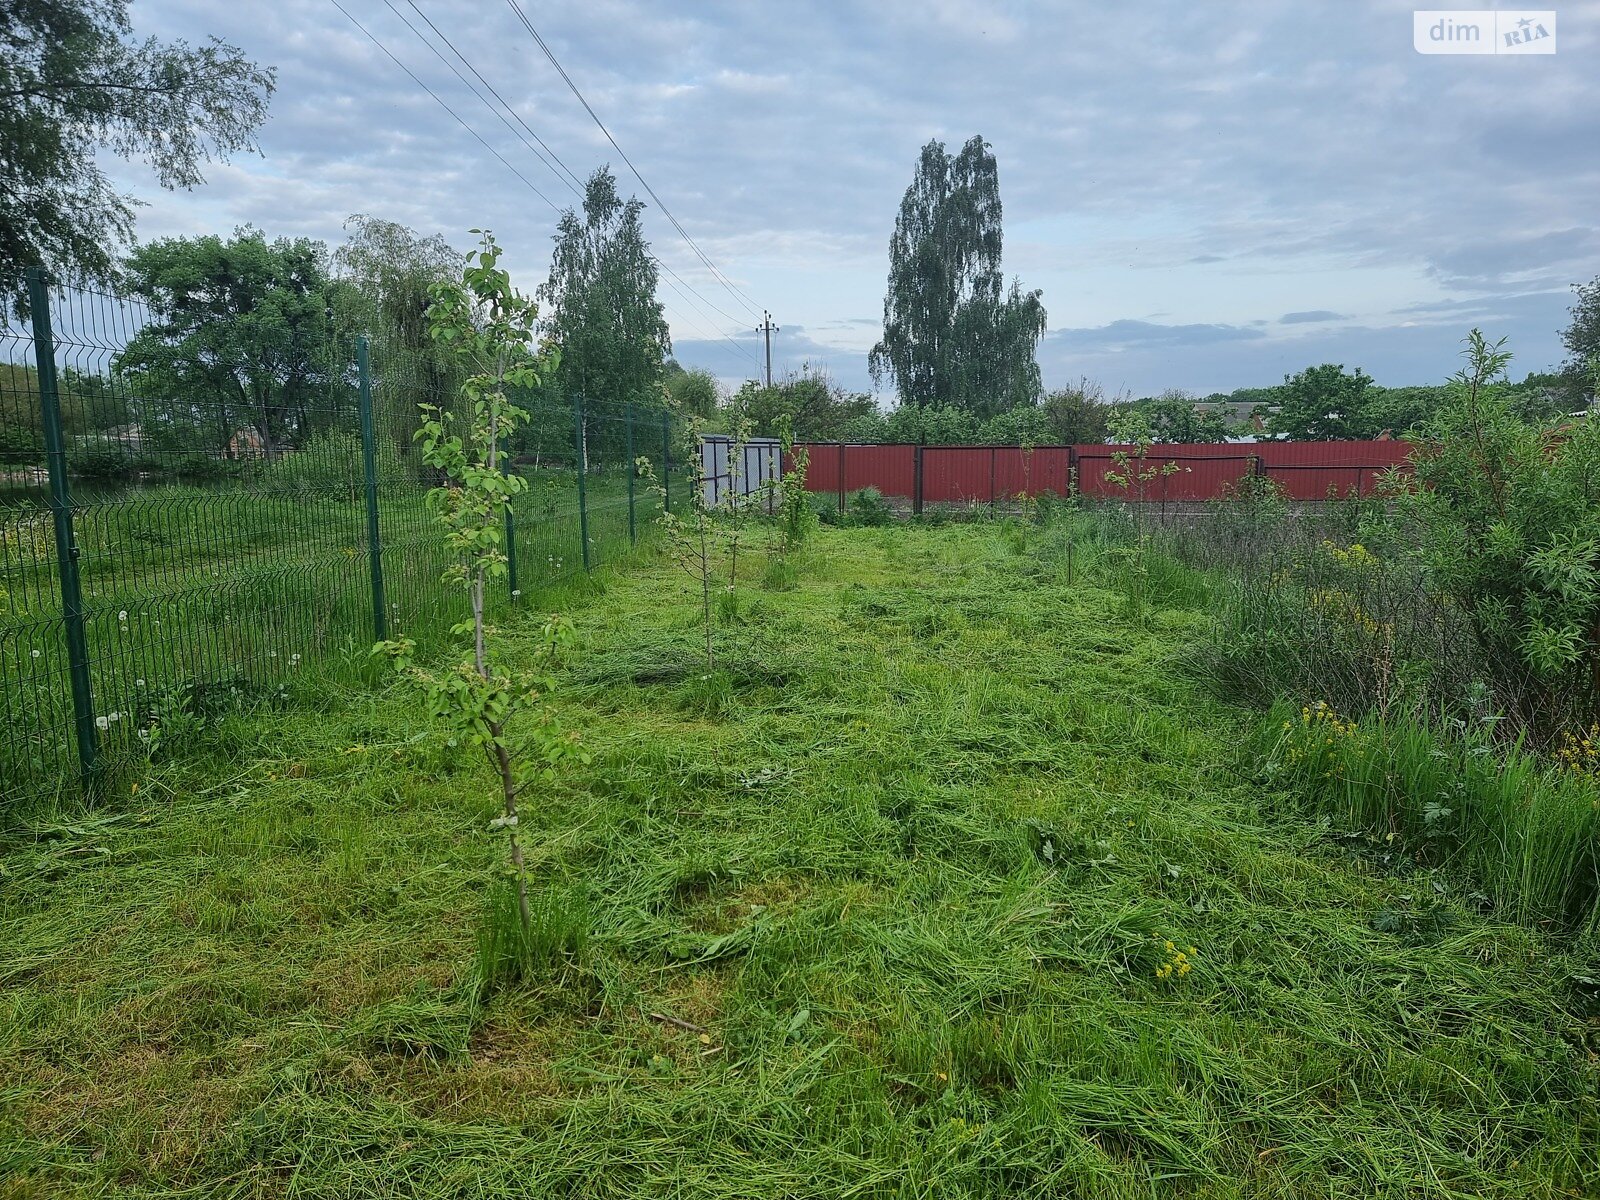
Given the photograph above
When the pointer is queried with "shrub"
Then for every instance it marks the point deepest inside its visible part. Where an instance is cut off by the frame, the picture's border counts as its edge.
(101, 458)
(868, 507)
(199, 467)
(825, 507)
(1471, 585)
(1508, 524)
(329, 465)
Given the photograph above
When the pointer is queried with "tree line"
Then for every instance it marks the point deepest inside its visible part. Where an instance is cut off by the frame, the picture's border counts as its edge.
(243, 347)
(244, 344)
(960, 347)
(1322, 403)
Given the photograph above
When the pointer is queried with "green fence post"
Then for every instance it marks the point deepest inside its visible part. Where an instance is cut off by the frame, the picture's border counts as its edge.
(633, 530)
(583, 469)
(369, 467)
(44, 351)
(666, 462)
(511, 531)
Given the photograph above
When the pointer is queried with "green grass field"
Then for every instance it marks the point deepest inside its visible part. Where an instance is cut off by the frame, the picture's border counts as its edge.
(883, 907)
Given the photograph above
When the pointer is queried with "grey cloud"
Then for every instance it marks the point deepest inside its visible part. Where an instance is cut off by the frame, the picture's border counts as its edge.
(1411, 353)
(1237, 136)
(1129, 335)
(1306, 318)
(1490, 259)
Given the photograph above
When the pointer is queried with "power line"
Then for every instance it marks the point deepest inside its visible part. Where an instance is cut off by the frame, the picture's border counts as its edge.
(439, 54)
(741, 349)
(552, 154)
(370, 37)
(577, 184)
(667, 212)
(507, 164)
(720, 312)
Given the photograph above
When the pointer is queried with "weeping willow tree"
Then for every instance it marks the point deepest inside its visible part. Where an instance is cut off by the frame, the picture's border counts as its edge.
(390, 269)
(953, 334)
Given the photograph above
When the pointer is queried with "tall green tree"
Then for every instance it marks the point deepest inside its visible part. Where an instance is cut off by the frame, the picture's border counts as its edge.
(694, 391)
(1581, 339)
(603, 315)
(1174, 417)
(72, 82)
(240, 337)
(953, 335)
(1323, 404)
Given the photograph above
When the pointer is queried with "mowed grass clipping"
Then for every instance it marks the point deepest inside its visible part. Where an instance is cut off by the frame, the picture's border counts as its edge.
(879, 908)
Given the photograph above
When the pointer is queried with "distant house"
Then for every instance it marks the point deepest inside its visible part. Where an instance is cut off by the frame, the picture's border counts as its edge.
(129, 437)
(247, 443)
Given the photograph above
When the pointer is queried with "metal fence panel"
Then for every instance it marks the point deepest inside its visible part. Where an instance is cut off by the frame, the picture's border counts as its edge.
(214, 530)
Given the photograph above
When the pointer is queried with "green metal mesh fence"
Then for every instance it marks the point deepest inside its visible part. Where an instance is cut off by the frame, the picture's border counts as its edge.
(180, 532)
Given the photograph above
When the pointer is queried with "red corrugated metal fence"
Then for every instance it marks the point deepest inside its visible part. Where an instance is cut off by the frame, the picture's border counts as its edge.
(986, 474)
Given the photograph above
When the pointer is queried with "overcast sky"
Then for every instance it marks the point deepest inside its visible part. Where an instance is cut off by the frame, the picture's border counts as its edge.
(1209, 195)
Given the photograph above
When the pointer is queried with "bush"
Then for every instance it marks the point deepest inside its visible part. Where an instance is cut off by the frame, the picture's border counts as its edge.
(329, 464)
(101, 458)
(1471, 586)
(199, 467)
(825, 507)
(1507, 521)
(868, 507)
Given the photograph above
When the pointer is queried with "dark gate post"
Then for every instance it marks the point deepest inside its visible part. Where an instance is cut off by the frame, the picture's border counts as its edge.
(841, 479)
(44, 353)
(916, 479)
(369, 468)
(583, 498)
(633, 529)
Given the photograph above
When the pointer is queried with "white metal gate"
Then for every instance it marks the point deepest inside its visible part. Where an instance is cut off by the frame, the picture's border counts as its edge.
(739, 470)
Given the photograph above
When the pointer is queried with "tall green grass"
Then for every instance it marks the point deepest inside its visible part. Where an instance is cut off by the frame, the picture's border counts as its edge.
(1526, 832)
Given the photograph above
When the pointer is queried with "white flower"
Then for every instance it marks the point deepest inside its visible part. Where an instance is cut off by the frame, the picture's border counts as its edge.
(36, 653)
(123, 615)
(102, 722)
(138, 683)
(503, 823)
(515, 592)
